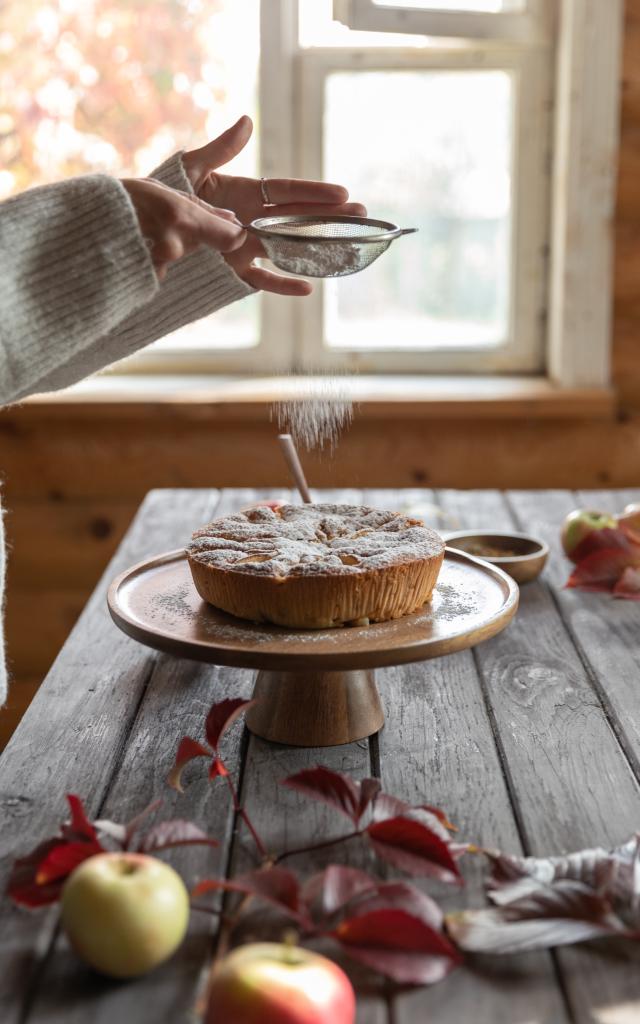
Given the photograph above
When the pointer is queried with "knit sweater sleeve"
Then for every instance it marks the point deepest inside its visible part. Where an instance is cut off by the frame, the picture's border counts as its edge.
(77, 287)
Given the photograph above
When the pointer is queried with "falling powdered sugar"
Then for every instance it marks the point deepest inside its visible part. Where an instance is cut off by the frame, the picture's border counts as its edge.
(321, 409)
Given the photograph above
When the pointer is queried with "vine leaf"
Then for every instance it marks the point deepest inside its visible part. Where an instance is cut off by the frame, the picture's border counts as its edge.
(334, 788)
(398, 944)
(275, 885)
(188, 750)
(175, 832)
(222, 716)
(412, 843)
(540, 902)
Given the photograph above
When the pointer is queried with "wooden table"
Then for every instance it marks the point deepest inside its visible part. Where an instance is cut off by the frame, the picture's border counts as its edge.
(530, 742)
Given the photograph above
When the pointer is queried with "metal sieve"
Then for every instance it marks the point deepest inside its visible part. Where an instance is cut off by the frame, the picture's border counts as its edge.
(324, 246)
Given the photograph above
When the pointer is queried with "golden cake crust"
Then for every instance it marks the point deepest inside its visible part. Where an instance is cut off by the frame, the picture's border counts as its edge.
(315, 566)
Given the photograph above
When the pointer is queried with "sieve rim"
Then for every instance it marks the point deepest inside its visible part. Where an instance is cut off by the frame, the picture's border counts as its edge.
(389, 232)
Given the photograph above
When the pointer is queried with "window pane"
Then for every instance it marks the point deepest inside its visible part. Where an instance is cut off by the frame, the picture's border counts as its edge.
(82, 90)
(432, 150)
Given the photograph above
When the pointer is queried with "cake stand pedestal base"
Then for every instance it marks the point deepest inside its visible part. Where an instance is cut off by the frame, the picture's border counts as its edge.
(315, 709)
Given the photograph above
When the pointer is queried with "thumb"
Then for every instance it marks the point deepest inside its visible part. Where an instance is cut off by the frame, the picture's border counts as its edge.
(218, 152)
(220, 233)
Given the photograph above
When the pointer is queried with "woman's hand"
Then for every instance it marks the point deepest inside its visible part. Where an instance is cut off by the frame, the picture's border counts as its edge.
(288, 196)
(174, 224)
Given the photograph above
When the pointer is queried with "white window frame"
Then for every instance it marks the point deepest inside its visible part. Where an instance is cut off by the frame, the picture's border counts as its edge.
(575, 316)
(522, 352)
(530, 21)
(300, 137)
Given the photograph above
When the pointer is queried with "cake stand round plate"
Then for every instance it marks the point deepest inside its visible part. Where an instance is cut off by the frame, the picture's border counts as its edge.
(314, 687)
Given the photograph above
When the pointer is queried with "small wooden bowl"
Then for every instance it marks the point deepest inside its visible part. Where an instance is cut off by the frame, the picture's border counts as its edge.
(524, 557)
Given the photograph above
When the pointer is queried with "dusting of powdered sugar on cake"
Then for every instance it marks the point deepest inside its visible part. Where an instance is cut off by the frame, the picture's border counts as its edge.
(308, 540)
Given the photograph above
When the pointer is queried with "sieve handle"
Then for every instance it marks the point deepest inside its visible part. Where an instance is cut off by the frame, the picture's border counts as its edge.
(406, 231)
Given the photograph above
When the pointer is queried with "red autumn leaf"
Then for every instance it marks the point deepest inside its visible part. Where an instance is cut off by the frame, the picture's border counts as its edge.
(400, 896)
(398, 945)
(134, 824)
(79, 826)
(274, 885)
(601, 570)
(336, 886)
(628, 585)
(187, 751)
(545, 916)
(614, 873)
(540, 902)
(333, 788)
(23, 888)
(369, 791)
(217, 768)
(387, 806)
(61, 860)
(411, 845)
(221, 716)
(608, 539)
(176, 832)
(439, 814)
(632, 534)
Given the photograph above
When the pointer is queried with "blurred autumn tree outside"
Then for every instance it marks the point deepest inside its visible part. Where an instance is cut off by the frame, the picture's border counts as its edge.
(118, 85)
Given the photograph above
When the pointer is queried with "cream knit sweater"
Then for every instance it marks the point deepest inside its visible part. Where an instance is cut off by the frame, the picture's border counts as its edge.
(78, 290)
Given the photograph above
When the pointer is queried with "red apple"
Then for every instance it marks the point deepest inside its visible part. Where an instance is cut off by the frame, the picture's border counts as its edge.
(580, 523)
(124, 913)
(631, 516)
(271, 503)
(276, 983)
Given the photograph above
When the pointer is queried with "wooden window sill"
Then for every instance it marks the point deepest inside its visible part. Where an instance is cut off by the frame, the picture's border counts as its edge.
(377, 398)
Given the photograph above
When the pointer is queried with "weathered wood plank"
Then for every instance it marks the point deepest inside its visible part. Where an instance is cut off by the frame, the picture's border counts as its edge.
(438, 747)
(606, 635)
(567, 774)
(74, 733)
(174, 704)
(604, 630)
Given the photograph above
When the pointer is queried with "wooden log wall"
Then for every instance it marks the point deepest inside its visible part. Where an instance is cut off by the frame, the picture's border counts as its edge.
(73, 479)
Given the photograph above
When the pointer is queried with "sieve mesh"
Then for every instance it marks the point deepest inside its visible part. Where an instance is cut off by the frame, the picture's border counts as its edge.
(324, 246)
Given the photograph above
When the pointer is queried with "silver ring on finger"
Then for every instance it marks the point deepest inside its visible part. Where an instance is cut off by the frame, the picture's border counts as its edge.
(264, 192)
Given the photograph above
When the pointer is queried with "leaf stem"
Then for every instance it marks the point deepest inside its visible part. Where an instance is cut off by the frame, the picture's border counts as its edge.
(206, 910)
(318, 846)
(240, 811)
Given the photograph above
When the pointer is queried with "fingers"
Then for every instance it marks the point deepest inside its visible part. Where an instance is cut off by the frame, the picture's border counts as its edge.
(175, 224)
(267, 281)
(320, 210)
(299, 190)
(218, 232)
(199, 162)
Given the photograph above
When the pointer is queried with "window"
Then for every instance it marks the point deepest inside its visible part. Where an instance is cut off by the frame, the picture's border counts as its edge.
(462, 118)
(117, 86)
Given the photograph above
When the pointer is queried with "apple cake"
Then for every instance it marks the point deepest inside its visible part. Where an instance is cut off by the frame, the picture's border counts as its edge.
(316, 566)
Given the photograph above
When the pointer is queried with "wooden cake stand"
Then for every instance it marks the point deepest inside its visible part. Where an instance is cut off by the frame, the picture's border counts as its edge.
(315, 687)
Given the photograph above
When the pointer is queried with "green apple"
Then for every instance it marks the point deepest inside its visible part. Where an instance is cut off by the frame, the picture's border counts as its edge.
(580, 523)
(124, 913)
(276, 983)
